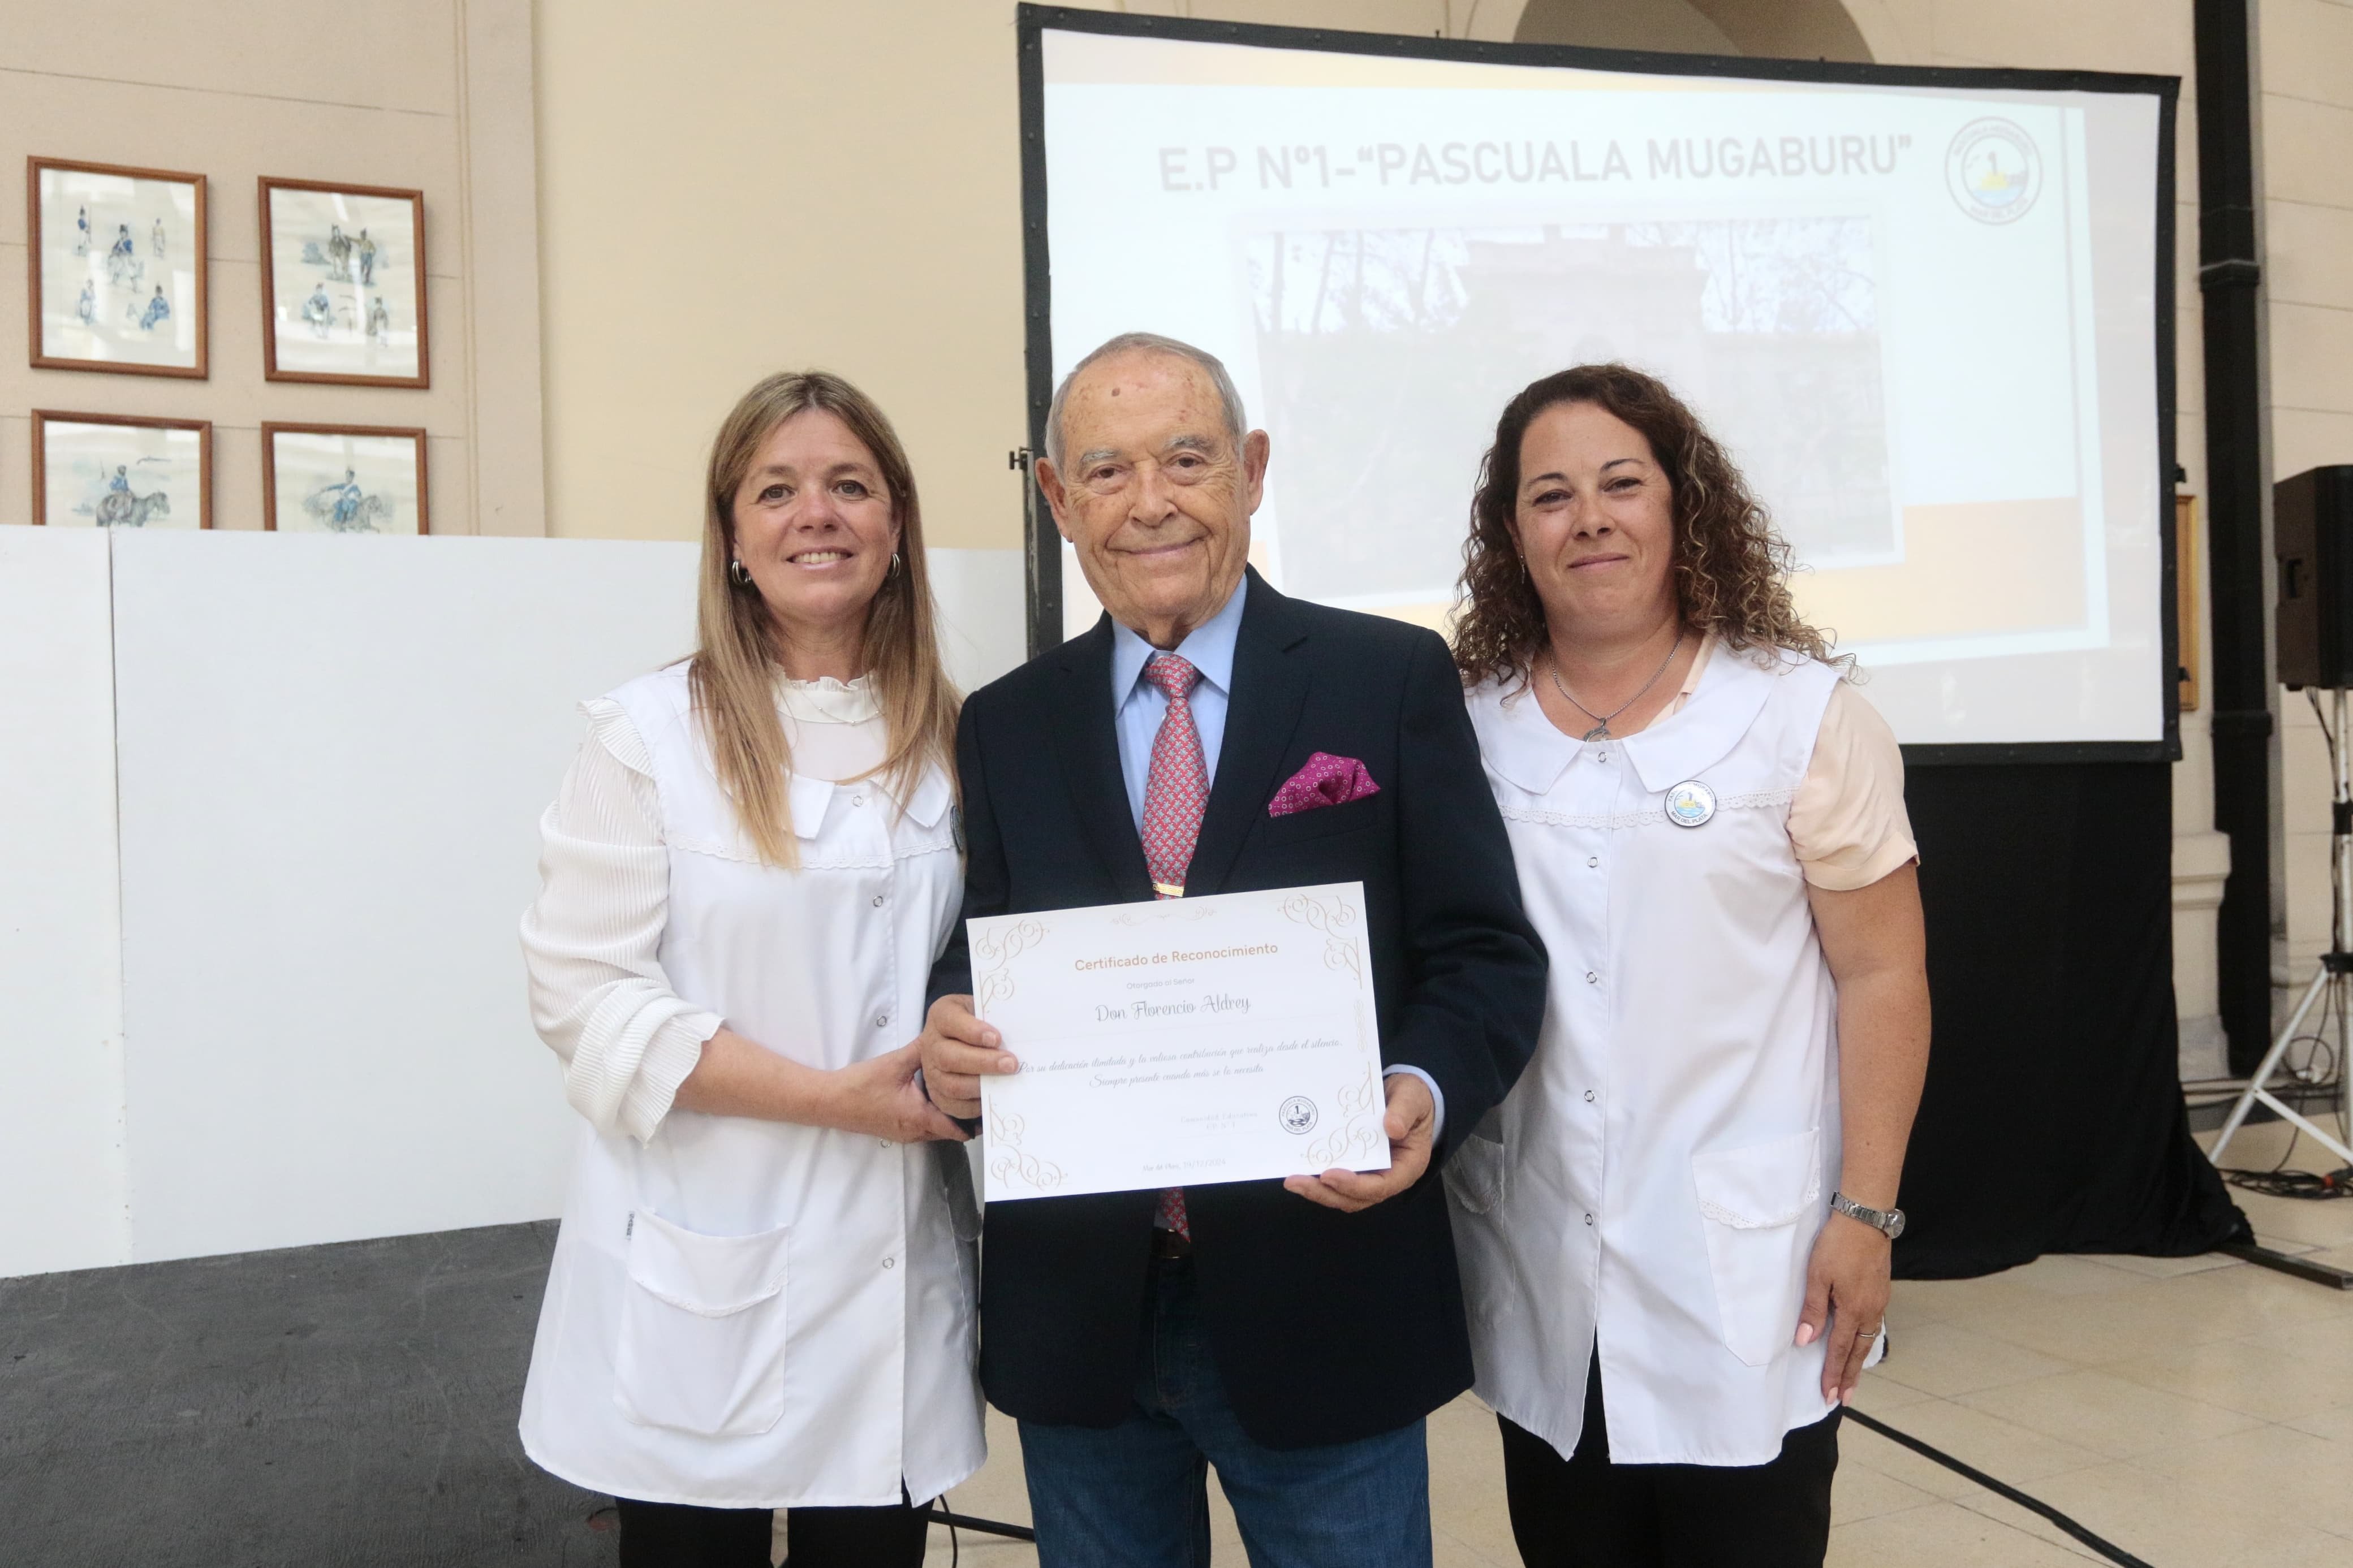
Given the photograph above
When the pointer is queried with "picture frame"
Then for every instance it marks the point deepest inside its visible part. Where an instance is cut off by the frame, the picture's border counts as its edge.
(131, 303)
(382, 488)
(122, 470)
(342, 284)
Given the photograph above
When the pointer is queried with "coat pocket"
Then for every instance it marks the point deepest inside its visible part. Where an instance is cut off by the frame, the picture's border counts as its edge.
(702, 1330)
(1475, 1175)
(1755, 1203)
(1358, 815)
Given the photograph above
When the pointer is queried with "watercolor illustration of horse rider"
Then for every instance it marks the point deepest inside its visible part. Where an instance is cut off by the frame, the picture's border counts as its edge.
(345, 506)
(122, 507)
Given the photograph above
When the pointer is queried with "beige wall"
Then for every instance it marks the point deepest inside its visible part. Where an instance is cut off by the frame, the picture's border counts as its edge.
(2304, 66)
(850, 201)
(416, 94)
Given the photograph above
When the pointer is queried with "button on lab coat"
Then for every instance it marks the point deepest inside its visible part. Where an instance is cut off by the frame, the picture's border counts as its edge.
(745, 1313)
(1656, 1179)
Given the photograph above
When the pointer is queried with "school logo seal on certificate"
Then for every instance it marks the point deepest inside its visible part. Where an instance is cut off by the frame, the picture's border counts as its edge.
(1226, 1038)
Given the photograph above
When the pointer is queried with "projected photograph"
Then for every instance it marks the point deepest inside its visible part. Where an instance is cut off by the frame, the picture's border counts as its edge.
(343, 479)
(102, 470)
(343, 284)
(118, 270)
(1386, 353)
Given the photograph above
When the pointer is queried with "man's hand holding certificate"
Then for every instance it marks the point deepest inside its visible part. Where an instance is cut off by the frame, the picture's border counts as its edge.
(1187, 1041)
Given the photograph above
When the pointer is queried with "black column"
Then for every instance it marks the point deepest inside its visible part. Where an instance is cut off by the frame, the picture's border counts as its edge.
(1041, 545)
(2227, 278)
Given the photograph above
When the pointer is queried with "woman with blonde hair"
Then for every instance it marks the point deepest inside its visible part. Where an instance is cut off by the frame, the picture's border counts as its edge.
(763, 1294)
(1674, 1233)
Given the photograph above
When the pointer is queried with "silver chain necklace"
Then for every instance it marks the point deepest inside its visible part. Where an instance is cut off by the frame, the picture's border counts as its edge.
(1601, 730)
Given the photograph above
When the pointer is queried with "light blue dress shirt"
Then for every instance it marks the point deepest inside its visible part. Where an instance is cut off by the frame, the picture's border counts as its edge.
(1138, 706)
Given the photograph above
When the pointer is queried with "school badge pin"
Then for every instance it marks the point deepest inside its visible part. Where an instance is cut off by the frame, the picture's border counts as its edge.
(1690, 803)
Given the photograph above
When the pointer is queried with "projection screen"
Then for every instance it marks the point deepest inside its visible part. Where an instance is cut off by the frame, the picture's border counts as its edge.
(1929, 312)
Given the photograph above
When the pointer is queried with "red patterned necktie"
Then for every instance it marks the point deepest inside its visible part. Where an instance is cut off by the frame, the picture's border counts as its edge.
(1175, 793)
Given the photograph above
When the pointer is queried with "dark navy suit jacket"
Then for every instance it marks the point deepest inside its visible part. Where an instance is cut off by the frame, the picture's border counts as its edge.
(1327, 1327)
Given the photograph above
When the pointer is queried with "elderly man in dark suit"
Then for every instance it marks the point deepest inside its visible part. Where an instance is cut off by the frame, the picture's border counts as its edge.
(1293, 1334)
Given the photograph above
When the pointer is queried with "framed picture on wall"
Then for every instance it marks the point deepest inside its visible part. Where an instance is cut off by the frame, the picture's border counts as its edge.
(343, 479)
(342, 284)
(116, 269)
(114, 471)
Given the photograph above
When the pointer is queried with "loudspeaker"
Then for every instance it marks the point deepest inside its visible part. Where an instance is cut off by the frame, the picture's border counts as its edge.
(2312, 543)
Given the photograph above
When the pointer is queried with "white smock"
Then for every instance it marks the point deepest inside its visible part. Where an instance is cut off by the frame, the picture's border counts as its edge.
(1652, 1185)
(744, 1313)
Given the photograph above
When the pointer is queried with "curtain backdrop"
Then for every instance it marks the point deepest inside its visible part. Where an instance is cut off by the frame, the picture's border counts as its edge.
(2054, 1118)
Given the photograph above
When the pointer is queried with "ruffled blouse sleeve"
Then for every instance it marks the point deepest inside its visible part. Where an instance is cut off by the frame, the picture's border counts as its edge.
(592, 939)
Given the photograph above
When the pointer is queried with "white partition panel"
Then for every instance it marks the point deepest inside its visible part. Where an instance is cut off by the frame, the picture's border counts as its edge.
(333, 754)
(61, 1156)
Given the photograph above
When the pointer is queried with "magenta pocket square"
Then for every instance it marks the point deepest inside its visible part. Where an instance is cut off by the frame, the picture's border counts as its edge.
(1326, 780)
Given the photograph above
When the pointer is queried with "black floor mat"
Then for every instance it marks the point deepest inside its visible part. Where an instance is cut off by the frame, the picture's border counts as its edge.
(340, 1407)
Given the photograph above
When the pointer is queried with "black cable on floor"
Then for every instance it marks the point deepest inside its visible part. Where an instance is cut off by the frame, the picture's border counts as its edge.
(940, 1515)
(2108, 1549)
(2280, 1184)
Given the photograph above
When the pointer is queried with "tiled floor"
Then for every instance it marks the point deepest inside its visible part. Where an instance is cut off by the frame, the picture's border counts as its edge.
(2194, 1411)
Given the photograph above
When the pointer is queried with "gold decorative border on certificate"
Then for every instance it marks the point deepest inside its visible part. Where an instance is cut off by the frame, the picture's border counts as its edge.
(1010, 1164)
(1332, 916)
(997, 949)
(1354, 1132)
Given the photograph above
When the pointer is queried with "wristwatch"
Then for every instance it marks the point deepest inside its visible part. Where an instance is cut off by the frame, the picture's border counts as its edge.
(1889, 1222)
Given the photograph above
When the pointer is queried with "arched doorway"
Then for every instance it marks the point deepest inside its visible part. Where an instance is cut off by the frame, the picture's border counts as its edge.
(1787, 30)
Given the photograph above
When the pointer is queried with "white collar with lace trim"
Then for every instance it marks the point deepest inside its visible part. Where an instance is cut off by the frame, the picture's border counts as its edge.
(826, 700)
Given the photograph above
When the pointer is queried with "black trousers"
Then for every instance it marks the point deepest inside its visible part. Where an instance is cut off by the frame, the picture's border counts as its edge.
(674, 1535)
(1585, 1512)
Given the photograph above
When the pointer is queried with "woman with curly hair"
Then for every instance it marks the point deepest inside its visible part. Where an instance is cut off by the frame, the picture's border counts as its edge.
(1675, 1232)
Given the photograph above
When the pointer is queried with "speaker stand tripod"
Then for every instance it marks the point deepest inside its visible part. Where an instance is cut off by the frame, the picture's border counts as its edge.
(2332, 982)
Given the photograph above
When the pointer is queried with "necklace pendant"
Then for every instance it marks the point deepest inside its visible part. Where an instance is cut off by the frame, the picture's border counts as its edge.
(1600, 731)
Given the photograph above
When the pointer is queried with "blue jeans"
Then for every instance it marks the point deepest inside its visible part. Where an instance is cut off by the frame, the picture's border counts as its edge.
(1135, 1494)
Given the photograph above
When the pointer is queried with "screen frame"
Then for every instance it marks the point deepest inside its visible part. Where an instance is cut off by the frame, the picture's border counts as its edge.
(1041, 545)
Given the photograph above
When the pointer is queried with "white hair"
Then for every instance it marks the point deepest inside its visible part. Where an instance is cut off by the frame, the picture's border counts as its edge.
(1229, 400)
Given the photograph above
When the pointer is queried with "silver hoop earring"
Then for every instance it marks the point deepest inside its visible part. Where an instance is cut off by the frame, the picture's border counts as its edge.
(893, 571)
(739, 574)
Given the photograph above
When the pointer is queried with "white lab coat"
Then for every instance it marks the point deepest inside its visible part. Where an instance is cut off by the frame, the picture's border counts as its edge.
(1656, 1179)
(753, 1314)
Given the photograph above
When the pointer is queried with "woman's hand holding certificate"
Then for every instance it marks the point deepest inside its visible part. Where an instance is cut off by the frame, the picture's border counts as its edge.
(1181, 1042)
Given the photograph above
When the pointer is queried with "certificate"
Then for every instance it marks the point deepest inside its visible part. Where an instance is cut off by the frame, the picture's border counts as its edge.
(1224, 1038)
